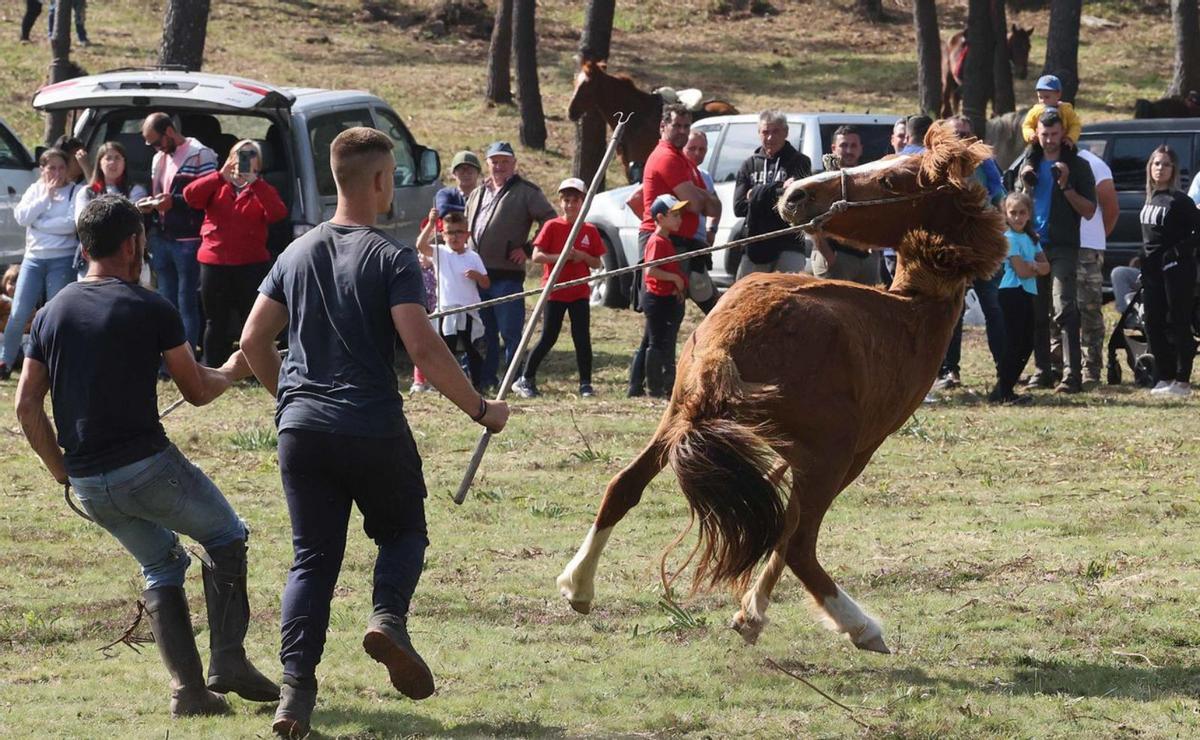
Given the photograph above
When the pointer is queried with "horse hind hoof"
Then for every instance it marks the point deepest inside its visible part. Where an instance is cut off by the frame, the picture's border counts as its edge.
(585, 607)
(748, 629)
(874, 644)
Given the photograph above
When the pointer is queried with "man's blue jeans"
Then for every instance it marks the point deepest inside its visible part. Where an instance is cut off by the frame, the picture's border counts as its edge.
(174, 263)
(145, 503)
(39, 278)
(505, 320)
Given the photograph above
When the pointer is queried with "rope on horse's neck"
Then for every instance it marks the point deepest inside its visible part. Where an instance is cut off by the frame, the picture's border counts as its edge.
(835, 208)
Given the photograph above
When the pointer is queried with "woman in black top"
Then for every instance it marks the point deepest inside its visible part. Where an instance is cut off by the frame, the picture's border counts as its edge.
(1170, 226)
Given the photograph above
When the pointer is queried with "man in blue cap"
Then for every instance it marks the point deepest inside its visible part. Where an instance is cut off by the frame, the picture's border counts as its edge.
(500, 214)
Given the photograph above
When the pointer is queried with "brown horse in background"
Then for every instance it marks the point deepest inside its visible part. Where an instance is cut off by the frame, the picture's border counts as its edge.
(744, 413)
(608, 94)
(954, 57)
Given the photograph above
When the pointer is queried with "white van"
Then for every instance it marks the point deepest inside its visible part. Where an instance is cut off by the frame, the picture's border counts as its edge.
(17, 173)
(294, 127)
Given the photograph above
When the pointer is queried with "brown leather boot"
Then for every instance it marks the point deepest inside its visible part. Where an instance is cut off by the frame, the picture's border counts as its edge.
(228, 618)
(387, 642)
(167, 608)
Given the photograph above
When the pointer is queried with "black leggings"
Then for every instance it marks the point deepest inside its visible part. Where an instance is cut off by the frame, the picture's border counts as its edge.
(664, 314)
(581, 336)
(227, 293)
(1017, 307)
(1169, 296)
(461, 343)
(33, 8)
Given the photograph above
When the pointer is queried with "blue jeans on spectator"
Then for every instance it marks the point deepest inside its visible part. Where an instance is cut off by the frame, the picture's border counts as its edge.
(505, 320)
(40, 278)
(78, 12)
(145, 503)
(174, 262)
(987, 290)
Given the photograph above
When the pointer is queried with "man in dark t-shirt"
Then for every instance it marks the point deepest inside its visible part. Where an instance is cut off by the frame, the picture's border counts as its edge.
(344, 291)
(96, 348)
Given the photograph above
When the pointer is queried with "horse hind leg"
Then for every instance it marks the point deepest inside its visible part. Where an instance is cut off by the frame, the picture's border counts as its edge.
(751, 619)
(577, 581)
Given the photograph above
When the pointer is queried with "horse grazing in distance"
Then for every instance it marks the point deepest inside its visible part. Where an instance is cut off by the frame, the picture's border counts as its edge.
(954, 57)
(743, 413)
(1172, 106)
(608, 94)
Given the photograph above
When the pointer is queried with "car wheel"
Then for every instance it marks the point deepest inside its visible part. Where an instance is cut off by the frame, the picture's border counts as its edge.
(1145, 371)
(615, 290)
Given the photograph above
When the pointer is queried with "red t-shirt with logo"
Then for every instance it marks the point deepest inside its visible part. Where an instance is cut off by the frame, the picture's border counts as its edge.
(658, 247)
(551, 240)
(666, 168)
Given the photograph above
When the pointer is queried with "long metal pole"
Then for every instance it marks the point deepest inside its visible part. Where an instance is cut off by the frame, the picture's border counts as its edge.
(531, 325)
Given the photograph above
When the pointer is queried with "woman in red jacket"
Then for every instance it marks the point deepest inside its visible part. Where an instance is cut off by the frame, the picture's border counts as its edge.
(238, 207)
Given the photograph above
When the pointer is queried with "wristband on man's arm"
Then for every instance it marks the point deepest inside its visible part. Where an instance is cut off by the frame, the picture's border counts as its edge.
(482, 410)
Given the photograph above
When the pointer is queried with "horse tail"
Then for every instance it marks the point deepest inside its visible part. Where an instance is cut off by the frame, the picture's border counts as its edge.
(729, 473)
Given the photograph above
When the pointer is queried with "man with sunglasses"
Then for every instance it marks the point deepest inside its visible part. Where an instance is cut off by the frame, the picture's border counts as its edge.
(178, 161)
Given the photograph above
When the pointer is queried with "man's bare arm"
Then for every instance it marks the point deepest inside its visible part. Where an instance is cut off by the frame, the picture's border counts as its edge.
(31, 411)
(266, 320)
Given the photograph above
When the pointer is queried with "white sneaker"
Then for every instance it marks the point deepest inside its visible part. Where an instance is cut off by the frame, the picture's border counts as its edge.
(930, 398)
(1178, 390)
(1161, 388)
(419, 388)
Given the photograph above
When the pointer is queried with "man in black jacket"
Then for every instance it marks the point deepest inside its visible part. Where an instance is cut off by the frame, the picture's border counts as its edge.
(761, 179)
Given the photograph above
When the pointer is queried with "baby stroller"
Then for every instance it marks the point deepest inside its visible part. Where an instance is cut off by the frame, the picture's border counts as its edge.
(1129, 335)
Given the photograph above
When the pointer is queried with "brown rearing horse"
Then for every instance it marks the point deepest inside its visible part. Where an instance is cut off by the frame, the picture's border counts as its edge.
(954, 53)
(608, 94)
(744, 414)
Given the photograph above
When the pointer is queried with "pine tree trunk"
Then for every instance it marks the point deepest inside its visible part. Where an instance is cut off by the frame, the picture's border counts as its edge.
(1003, 98)
(929, 57)
(1062, 45)
(977, 70)
(60, 68)
(185, 26)
(499, 81)
(1185, 16)
(529, 94)
(591, 128)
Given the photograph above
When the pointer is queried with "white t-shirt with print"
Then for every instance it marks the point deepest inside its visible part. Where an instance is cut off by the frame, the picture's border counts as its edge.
(1091, 230)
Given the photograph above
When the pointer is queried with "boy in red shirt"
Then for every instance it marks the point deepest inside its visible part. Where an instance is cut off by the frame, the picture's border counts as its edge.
(666, 288)
(585, 257)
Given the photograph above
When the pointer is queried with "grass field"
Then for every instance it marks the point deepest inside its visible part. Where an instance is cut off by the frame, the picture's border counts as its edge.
(1035, 568)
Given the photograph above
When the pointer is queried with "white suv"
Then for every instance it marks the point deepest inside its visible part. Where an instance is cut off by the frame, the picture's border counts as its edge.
(731, 139)
(17, 173)
(294, 127)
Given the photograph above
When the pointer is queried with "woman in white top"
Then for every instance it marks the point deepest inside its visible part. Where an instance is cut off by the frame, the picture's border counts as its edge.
(47, 211)
(111, 178)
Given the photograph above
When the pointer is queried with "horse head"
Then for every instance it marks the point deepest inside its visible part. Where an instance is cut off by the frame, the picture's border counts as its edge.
(587, 80)
(1018, 51)
(935, 193)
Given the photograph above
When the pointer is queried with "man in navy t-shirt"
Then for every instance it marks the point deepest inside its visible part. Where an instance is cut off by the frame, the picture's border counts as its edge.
(96, 349)
(344, 291)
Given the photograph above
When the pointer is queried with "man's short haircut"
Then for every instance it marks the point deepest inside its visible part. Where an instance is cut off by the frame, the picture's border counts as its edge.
(918, 126)
(963, 120)
(773, 117)
(49, 153)
(105, 223)
(847, 130)
(1050, 117)
(671, 110)
(159, 122)
(455, 217)
(353, 149)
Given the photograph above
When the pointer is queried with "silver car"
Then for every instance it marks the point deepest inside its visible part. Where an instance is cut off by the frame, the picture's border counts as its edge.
(17, 173)
(293, 126)
(731, 139)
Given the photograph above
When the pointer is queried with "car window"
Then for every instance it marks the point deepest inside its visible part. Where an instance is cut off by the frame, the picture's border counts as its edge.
(1096, 146)
(322, 130)
(1130, 153)
(12, 153)
(406, 168)
(876, 139)
(741, 139)
(711, 132)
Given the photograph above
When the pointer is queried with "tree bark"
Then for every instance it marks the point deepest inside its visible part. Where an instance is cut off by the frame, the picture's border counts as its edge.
(529, 94)
(185, 26)
(1185, 16)
(870, 10)
(1003, 98)
(929, 57)
(977, 70)
(60, 68)
(499, 81)
(1062, 45)
(591, 128)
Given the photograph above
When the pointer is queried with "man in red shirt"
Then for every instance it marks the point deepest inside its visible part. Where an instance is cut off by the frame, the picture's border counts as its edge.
(585, 257)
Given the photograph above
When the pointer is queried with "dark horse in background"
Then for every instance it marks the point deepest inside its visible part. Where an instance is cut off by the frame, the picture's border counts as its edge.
(1172, 106)
(607, 94)
(954, 56)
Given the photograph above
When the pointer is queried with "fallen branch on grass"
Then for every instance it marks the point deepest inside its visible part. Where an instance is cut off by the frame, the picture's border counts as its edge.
(806, 682)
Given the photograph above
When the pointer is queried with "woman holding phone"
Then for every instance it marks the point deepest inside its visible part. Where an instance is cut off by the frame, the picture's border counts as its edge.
(112, 178)
(238, 207)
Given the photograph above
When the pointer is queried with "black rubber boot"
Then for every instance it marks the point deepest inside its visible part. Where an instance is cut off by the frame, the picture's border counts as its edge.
(387, 642)
(293, 716)
(168, 611)
(228, 617)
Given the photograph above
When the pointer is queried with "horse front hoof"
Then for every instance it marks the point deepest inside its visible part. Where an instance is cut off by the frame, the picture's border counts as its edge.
(874, 644)
(584, 607)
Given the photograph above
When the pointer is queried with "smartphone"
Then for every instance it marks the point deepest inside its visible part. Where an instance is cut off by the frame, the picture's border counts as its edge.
(245, 161)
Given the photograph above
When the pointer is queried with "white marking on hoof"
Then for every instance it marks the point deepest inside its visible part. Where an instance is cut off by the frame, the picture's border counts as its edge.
(577, 583)
(842, 614)
(749, 627)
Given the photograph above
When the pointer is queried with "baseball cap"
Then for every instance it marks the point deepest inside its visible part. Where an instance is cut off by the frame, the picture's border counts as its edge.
(500, 149)
(572, 183)
(1049, 82)
(666, 204)
(448, 200)
(465, 157)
